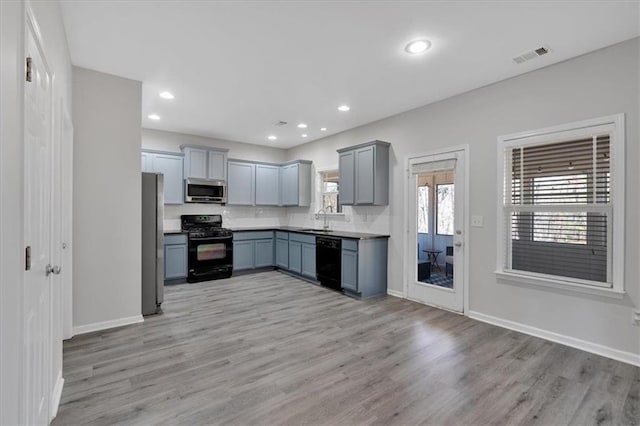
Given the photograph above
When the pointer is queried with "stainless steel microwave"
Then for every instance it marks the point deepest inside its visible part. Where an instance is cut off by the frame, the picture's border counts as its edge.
(205, 191)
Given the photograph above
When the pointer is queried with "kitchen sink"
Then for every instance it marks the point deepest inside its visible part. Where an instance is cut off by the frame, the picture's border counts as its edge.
(316, 230)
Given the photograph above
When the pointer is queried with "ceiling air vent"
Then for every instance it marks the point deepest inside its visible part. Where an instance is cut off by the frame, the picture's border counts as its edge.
(280, 123)
(532, 54)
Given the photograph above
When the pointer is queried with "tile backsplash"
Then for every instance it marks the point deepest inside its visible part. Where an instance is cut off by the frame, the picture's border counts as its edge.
(232, 216)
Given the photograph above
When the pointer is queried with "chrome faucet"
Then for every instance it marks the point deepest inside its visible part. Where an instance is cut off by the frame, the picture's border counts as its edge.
(325, 226)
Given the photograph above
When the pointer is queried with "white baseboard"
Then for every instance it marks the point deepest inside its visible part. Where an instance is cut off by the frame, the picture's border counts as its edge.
(104, 325)
(618, 355)
(395, 293)
(57, 394)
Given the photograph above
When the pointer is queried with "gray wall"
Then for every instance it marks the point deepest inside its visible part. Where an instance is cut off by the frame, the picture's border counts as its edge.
(597, 84)
(107, 191)
(232, 216)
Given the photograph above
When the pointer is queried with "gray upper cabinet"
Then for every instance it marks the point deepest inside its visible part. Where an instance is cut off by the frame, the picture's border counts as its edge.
(347, 166)
(289, 184)
(171, 166)
(147, 162)
(364, 174)
(267, 185)
(204, 162)
(241, 183)
(195, 163)
(217, 162)
(295, 184)
(263, 184)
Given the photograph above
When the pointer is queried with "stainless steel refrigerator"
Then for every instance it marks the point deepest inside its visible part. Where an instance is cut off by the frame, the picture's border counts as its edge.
(152, 243)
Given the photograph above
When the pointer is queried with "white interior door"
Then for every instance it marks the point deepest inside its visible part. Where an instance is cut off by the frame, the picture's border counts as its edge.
(439, 285)
(37, 202)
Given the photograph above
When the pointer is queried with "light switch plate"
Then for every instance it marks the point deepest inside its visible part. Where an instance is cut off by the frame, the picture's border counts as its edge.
(476, 221)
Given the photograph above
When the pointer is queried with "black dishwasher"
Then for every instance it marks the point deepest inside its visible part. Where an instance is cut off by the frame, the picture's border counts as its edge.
(329, 262)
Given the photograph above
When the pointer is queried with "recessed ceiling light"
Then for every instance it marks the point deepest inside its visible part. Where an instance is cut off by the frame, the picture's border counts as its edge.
(302, 126)
(154, 117)
(304, 135)
(417, 46)
(343, 108)
(272, 137)
(167, 95)
(323, 129)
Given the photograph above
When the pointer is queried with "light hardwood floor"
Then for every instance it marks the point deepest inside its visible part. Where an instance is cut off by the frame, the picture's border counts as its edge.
(271, 349)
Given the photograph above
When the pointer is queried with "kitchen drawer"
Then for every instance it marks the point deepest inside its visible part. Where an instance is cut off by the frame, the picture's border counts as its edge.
(350, 245)
(252, 235)
(282, 235)
(302, 238)
(170, 239)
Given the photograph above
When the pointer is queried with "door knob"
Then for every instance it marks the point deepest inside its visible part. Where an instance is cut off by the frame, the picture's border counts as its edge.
(458, 244)
(52, 270)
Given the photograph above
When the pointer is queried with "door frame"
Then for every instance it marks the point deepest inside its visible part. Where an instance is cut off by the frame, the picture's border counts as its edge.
(408, 239)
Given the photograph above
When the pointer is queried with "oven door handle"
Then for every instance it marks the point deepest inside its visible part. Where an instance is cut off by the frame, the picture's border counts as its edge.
(210, 238)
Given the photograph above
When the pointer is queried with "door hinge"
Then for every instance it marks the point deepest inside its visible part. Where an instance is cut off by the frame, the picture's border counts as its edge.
(29, 69)
(27, 258)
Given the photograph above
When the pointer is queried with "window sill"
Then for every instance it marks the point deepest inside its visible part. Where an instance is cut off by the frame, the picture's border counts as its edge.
(515, 278)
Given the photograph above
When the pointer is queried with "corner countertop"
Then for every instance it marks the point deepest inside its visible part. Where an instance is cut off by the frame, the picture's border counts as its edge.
(330, 233)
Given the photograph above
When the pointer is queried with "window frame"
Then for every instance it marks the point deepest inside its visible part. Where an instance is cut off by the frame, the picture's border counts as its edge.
(615, 126)
(320, 190)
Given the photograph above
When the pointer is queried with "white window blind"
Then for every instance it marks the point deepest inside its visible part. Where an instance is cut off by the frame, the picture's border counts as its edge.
(558, 208)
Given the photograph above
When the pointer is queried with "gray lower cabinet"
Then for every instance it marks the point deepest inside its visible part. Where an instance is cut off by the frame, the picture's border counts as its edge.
(175, 256)
(295, 256)
(241, 183)
(252, 250)
(282, 250)
(302, 254)
(170, 165)
(243, 255)
(263, 253)
(309, 260)
(350, 265)
(364, 267)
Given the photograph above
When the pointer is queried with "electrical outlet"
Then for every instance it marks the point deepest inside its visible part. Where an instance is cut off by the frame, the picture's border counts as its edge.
(636, 318)
(476, 221)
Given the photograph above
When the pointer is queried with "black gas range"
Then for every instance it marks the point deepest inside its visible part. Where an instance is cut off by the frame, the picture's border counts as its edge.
(210, 247)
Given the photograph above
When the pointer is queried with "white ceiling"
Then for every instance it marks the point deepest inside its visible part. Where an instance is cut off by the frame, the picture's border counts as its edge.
(238, 67)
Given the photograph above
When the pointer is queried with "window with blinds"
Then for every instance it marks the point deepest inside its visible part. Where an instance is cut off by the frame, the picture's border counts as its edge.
(558, 206)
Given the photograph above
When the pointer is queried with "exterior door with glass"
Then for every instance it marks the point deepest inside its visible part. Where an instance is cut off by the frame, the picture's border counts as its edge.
(436, 230)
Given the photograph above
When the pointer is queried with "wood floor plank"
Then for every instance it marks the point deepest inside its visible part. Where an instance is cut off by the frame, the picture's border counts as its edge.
(272, 349)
